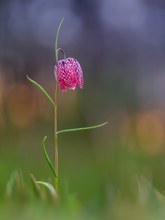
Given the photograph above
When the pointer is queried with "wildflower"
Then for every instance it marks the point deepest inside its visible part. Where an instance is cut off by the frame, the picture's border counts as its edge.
(69, 74)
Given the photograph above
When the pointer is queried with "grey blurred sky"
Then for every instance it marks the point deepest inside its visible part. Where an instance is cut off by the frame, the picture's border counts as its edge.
(120, 39)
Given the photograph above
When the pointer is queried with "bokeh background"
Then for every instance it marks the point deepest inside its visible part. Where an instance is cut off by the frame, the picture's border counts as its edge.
(121, 48)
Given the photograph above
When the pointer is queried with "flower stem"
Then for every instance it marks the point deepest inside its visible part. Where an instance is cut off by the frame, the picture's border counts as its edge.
(55, 110)
(56, 138)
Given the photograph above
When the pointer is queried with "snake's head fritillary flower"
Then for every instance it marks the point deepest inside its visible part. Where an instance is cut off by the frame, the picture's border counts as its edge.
(69, 74)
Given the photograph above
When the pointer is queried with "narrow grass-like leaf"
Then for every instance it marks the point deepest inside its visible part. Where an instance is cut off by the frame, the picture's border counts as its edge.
(148, 193)
(15, 183)
(48, 186)
(47, 157)
(56, 41)
(42, 90)
(36, 187)
(81, 129)
(15, 187)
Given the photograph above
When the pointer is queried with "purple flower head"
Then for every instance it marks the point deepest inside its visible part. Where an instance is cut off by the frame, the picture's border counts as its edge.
(69, 74)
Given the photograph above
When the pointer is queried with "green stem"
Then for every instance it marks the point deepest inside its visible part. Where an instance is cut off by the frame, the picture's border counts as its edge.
(55, 111)
(56, 138)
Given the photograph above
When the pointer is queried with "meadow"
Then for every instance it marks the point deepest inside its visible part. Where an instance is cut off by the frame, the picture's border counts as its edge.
(99, 178)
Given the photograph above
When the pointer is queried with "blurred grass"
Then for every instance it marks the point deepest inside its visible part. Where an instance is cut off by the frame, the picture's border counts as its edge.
(112, 181)
(116, 172)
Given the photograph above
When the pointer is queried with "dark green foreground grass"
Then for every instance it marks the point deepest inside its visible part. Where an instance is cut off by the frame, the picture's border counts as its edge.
(97, 181)
(149, 205)
(118, 184)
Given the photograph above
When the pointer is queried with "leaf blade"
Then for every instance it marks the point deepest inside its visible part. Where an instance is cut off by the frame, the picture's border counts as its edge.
(47, 157)
(48, 186)
(82, 129)
(56, 41)
(36, 187)
(42, 90)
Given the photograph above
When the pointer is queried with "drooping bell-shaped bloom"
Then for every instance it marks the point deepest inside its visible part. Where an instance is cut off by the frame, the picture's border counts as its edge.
(69, 74)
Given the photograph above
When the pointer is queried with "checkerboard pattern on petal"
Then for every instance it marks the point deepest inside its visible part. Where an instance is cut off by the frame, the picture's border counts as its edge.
(69, 74)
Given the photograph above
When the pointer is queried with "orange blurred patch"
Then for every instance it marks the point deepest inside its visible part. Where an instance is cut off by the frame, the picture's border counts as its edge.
(2, 88)
(150, 131)
(21, 105)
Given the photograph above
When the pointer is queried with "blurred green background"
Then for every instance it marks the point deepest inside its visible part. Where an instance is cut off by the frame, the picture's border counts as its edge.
(114, 172)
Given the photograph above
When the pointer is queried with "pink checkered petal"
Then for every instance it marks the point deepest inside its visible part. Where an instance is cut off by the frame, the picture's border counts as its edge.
(69, 74)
